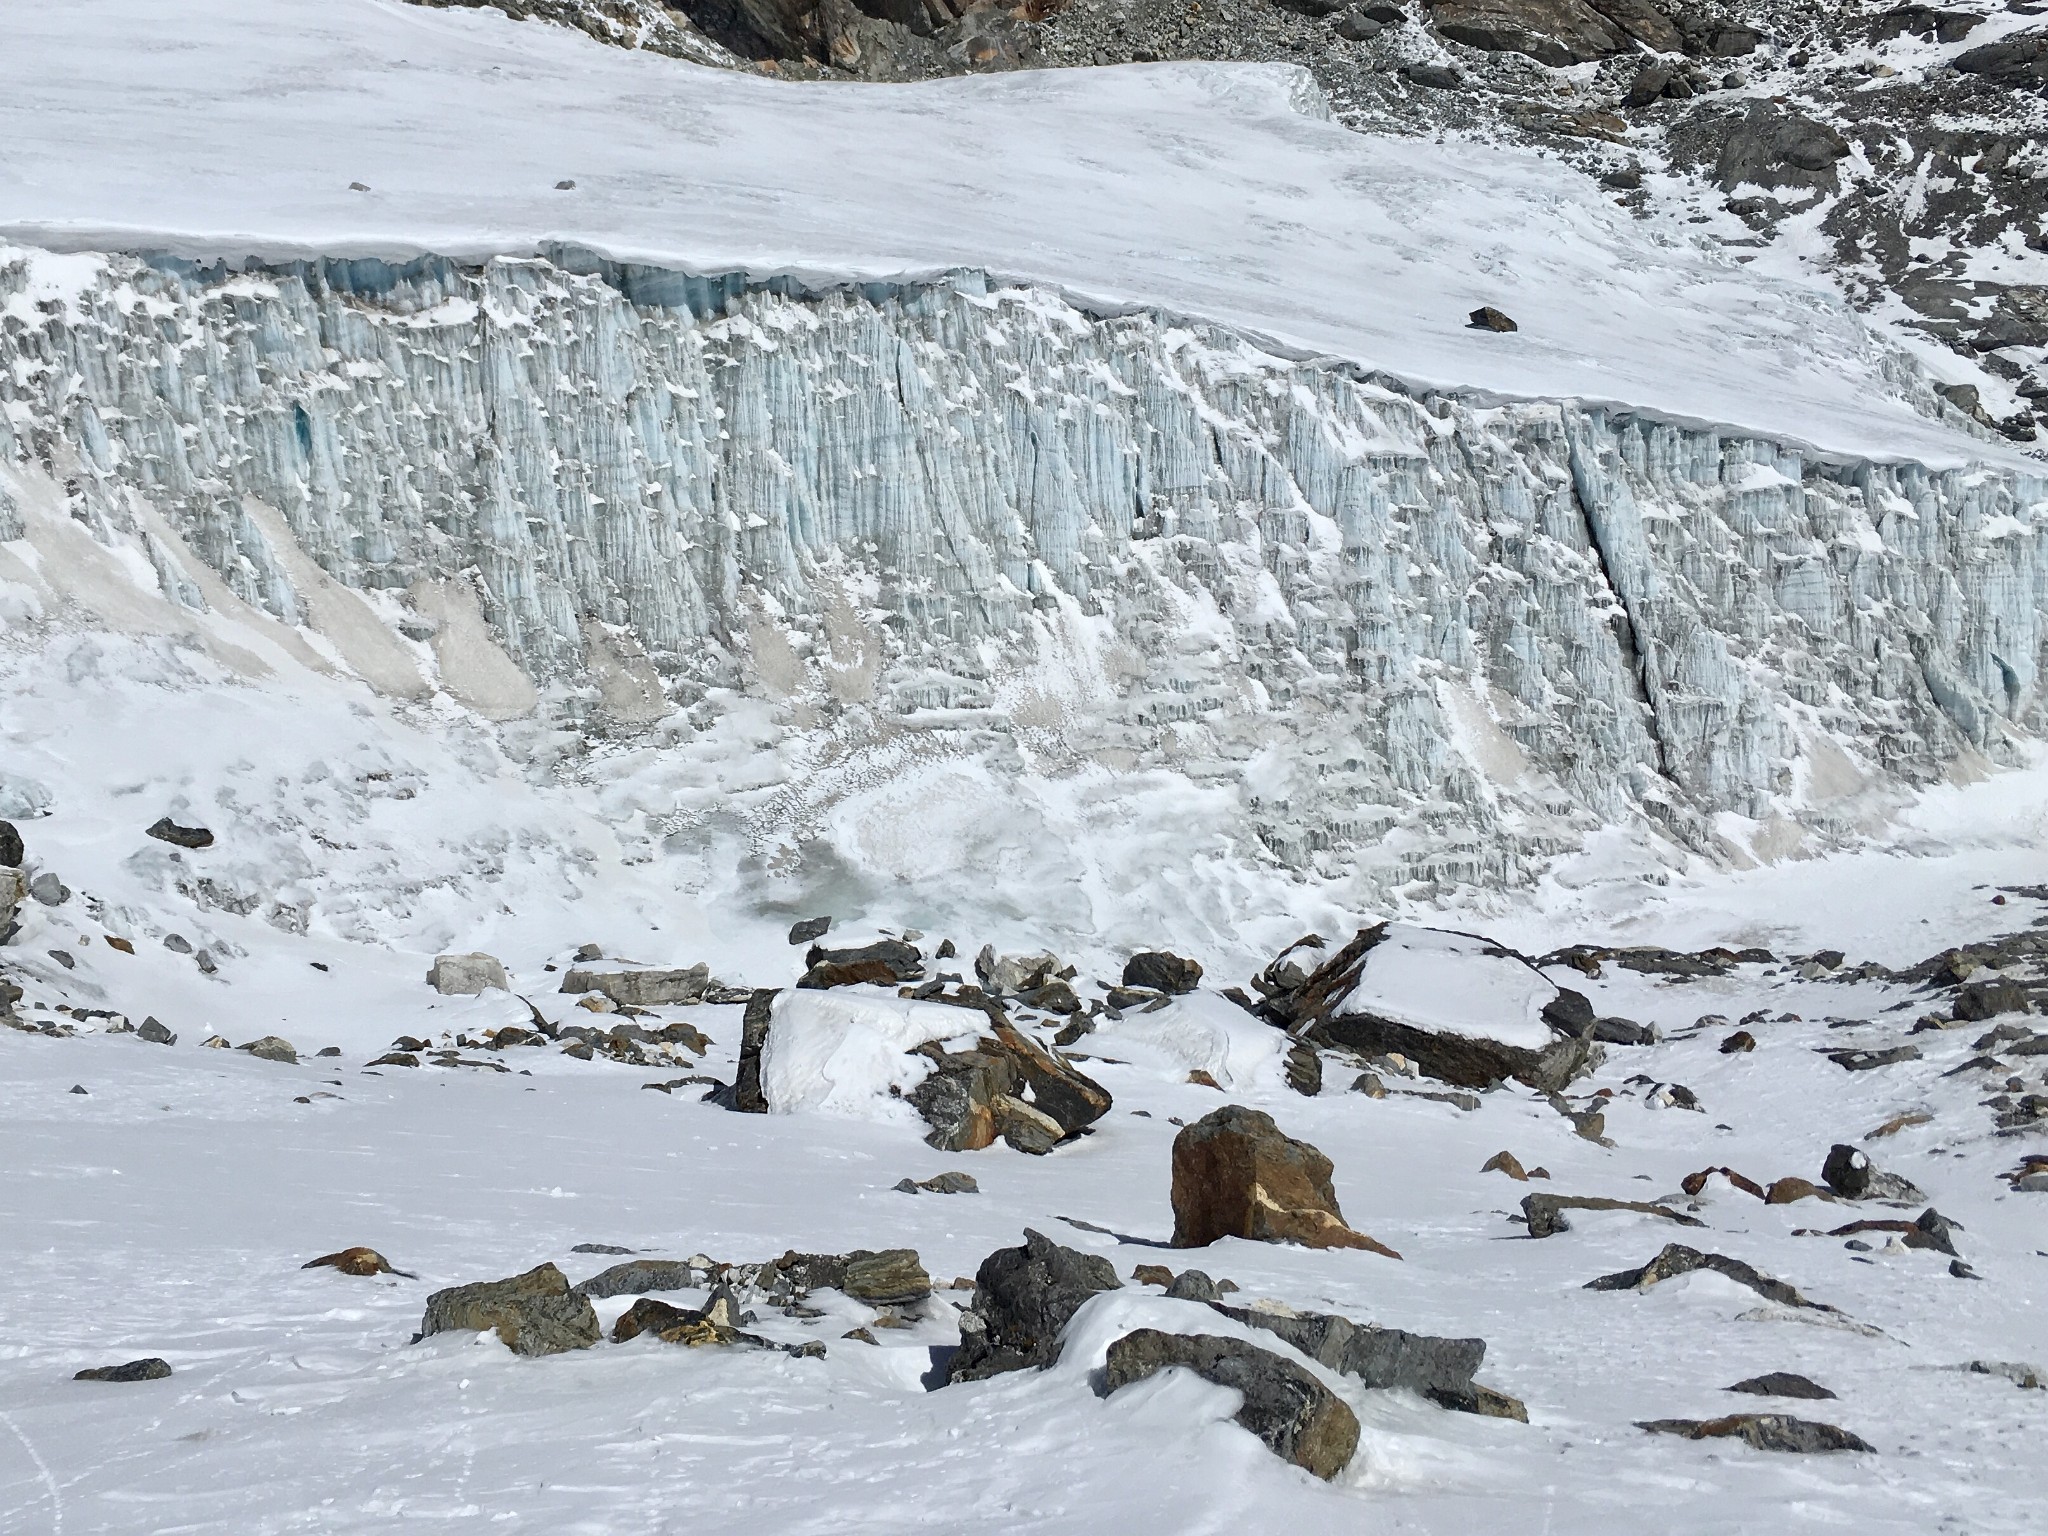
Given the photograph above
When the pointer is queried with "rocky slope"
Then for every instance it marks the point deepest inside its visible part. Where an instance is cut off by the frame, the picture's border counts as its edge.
(1900, 145)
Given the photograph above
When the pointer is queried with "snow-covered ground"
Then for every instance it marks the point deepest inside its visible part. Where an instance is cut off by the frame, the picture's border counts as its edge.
(166, 1210)
(236, 127)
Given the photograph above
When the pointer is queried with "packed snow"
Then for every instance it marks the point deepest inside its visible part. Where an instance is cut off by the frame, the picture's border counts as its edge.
(1208, 190)
(1455, 983)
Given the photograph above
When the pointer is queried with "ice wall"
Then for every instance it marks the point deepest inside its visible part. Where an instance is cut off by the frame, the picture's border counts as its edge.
(1417, 636)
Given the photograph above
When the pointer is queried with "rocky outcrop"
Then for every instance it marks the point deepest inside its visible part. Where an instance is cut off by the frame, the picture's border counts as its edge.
(1236, 1175)
(1299, 1419)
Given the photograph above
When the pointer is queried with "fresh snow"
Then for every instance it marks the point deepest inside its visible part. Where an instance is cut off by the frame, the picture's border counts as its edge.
(236, 127)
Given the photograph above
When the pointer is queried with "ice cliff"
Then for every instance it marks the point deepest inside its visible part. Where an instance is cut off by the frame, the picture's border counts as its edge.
(1422, 637)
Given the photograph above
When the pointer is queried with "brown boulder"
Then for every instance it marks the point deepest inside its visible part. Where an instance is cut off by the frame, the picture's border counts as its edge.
(534, 1314)
(1236, 1175)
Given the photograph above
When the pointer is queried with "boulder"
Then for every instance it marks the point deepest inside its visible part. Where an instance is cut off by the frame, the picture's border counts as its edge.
(49, 890)
(940, 1184)
(1236, 1175)
(153, 1030)
(1162, 972)
(165, 830)
(11, 850)
(1765, 1431)
(272, 1048)
(1357, 27)
(904, 962)
(1980, 1000)
(1024, 1127)
(1023, 1298)
(1465, 1010)
(533, 1314)
(1378, 1357)
(958, 1098)
(1487, 318)
(828, 973)
(135, 1370)
(1070, 1097)
(467, 975)
(810, 929)
(1009, 975)
(643, 989)
(1851, 1174)
(1554, 32)
(1299, 1419)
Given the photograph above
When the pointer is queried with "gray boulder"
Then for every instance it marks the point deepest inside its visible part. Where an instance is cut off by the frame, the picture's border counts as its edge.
(135, 1370)
(536, 1313)
(636, 1277)
(1378, 1357)
(467, 975)
(643, 989)
(1299, 1419)
(1162, 972)
(1765, 1431)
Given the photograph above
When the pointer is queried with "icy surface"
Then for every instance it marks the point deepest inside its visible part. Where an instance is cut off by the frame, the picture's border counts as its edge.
(1204, 189)
(1447, 982)
(944, 541)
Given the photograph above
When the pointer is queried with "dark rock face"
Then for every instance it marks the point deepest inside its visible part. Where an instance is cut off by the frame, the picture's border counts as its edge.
(1162, 972)
(2021, 59)
(746, 1095)
(854, 973)
(1487, 318)
(1299, 1419)
(809, 930)
(904, 962)
(165, 830)
(1023, 1297)
(1782, 1384)
(1765, 1431)
(11, 850)
(135, 1370)
(1464, 1061)
(155, 1033)
(533, 1314)
(1236, 1175)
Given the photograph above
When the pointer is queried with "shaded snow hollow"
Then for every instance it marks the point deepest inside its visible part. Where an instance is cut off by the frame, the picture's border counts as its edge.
(1199, 188)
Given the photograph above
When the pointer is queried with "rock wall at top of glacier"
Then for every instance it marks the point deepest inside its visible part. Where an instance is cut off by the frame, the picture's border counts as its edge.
(1413, 636)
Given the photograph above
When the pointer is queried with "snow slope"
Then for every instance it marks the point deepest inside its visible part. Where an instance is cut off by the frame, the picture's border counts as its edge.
(226, 127)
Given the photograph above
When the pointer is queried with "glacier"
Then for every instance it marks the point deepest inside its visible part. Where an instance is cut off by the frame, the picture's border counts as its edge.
(960, 525)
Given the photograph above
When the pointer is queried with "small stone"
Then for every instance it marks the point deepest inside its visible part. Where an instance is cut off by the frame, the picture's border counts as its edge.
(272, 1048)
(328, 1050)
(565, 186)
(810, 930)
(395, 1059)
(177, 944)
(78, 1088)
(941, 1184)
(1432, 77)
(1357, 27)
(165, 830)
(357, 186)
(63, 958)
(135, 1370)
(204, 960)
(1487, 318)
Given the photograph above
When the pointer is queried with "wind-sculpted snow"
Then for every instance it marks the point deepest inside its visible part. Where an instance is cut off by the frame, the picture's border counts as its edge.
(962, 528)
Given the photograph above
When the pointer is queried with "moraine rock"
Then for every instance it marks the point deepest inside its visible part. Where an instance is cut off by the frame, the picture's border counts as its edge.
(940, 1184)
(1851, 1174)
(135, 1370)
(272, 1048)
(1544, 1212)
(1378, 1357)
(958, 1098)
(1980, 1000)
(891, 1277)
(1299, 1419)
(1765, 1431)
(165, 830)
(467, 975)
(1236, 1175)
(1023, 1297)
(1677, 1259)
(809, 930)
(643, 989)
(1159, 971)
(49, 890)
(904, 962)
(1559, 33)
(636, 1277)
(533, 1314)
(11, 850)
(1487, 318)
(152, 1030)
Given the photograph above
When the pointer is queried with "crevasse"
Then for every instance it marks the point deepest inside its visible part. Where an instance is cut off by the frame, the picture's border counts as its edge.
(1414, 634)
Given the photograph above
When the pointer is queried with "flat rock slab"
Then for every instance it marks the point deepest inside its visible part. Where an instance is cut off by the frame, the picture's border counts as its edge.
(1299, 1419)
(1765, 1431)
(151, 1369)
(1677, 1259)
(1545, 1212)
(636, 1277)
(1378, 1357)
(1782, 1384)
(643, 989)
